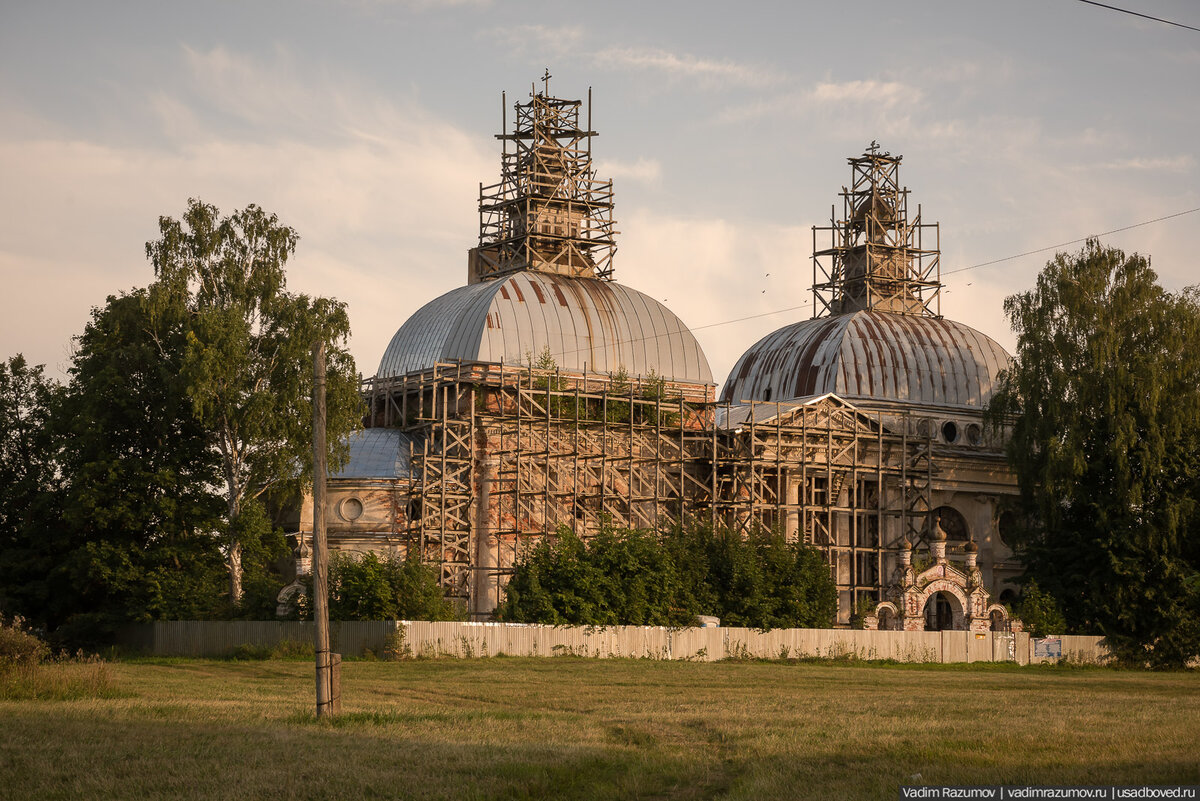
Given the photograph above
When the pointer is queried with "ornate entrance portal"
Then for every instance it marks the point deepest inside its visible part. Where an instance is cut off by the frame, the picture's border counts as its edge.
(944, 597)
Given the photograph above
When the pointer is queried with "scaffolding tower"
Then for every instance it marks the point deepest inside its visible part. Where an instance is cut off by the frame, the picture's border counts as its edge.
(549, 212)
(876, 257)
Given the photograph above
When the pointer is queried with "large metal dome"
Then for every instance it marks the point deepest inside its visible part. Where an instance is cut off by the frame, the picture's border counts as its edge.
(871, 355)
(587, 324)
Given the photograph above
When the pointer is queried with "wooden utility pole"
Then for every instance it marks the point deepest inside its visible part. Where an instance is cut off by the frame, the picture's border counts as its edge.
(329, 666)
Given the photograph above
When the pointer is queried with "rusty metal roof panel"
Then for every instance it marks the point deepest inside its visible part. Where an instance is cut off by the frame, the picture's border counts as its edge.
(871, 355)
(586, 324)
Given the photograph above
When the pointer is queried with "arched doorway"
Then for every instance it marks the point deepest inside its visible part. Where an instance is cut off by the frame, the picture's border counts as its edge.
(942, 612)
(887, 619)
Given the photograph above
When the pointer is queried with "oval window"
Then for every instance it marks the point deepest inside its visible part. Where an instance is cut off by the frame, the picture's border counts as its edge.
(950, 431)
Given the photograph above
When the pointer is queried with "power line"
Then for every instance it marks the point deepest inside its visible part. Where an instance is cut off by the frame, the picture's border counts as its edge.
(1072, 242)
(1143, 16)
(972, 267)
(752, 317)
(947, 272)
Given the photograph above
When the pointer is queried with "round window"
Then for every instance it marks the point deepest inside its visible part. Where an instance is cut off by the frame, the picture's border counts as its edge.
(974, 434)
(1004, 527)
(351, 509)
(950, 431)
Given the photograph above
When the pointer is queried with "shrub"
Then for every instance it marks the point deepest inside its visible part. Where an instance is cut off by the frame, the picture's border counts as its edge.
(19, 647)
(66, 679)
(369, 587)
(1039, 612)
(29, 673)
(284, 649)
(638, 577)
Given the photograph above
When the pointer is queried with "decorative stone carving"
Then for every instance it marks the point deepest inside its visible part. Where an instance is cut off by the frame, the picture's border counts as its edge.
(962, 586)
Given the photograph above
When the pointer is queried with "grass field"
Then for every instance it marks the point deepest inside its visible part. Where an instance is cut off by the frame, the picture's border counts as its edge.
(579, 728)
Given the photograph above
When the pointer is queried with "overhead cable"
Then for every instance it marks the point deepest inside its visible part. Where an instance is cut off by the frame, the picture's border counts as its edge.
(1143, 16)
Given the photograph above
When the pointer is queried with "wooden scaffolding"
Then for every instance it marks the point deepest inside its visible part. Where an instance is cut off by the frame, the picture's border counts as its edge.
(831, 475)
(503, 456)
(549, 212)
(876, 257)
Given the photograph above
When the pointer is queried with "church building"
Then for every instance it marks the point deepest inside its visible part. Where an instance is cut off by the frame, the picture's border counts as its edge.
(542, 393)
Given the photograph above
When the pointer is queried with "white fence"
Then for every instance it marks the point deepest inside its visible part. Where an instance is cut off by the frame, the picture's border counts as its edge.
(466, 640)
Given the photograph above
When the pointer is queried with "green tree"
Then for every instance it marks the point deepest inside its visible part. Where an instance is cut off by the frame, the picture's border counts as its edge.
(30, 512)
(765, 582)
(1103, 400)
(140, 510)
(246, 364)
(556, 583)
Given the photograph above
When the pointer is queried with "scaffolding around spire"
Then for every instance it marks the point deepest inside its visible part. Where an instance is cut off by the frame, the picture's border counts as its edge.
(876, 258)
(549, 212)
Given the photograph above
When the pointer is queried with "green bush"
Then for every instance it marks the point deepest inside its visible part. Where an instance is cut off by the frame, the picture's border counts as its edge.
(370, 587)
(284, 649)
(638, 577)
(28, 671)
(1039, 612)
(65, 679)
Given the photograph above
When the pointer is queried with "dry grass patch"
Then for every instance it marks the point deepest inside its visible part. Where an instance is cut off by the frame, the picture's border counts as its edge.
(578, 728)
(58, 680)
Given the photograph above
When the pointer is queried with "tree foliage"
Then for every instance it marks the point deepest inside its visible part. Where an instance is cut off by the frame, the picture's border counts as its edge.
(371, 587)
(637, 577)
(246, 361)
(1104, 405)
(139, 489)
(140, 510)
(30, 508)
(1039, 612)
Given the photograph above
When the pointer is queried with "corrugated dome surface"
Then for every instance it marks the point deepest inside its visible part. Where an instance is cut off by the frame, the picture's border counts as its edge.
(377, 453)
(871, 355)
(587, 324)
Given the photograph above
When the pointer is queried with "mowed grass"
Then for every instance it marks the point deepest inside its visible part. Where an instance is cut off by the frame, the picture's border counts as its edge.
(580, 728)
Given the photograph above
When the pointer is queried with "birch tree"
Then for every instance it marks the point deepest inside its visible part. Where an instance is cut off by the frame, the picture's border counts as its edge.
(246, 364)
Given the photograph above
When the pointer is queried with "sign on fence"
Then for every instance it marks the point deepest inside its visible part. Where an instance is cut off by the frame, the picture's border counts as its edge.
(1050, 647)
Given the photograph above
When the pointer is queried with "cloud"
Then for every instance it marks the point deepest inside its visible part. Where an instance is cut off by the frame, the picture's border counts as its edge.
(646, 171)
(382, 194)
(1173, 164)
(884, 93)
(713, 271)
(556, 41)
(414, 5)
(708, 72)
(829, 97)
(551, 41)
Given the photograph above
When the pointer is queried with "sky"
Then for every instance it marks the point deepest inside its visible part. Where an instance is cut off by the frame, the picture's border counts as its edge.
(368, 126)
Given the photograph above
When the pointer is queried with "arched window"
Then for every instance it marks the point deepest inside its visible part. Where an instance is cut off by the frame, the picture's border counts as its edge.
(953, 523)
(412, 511)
